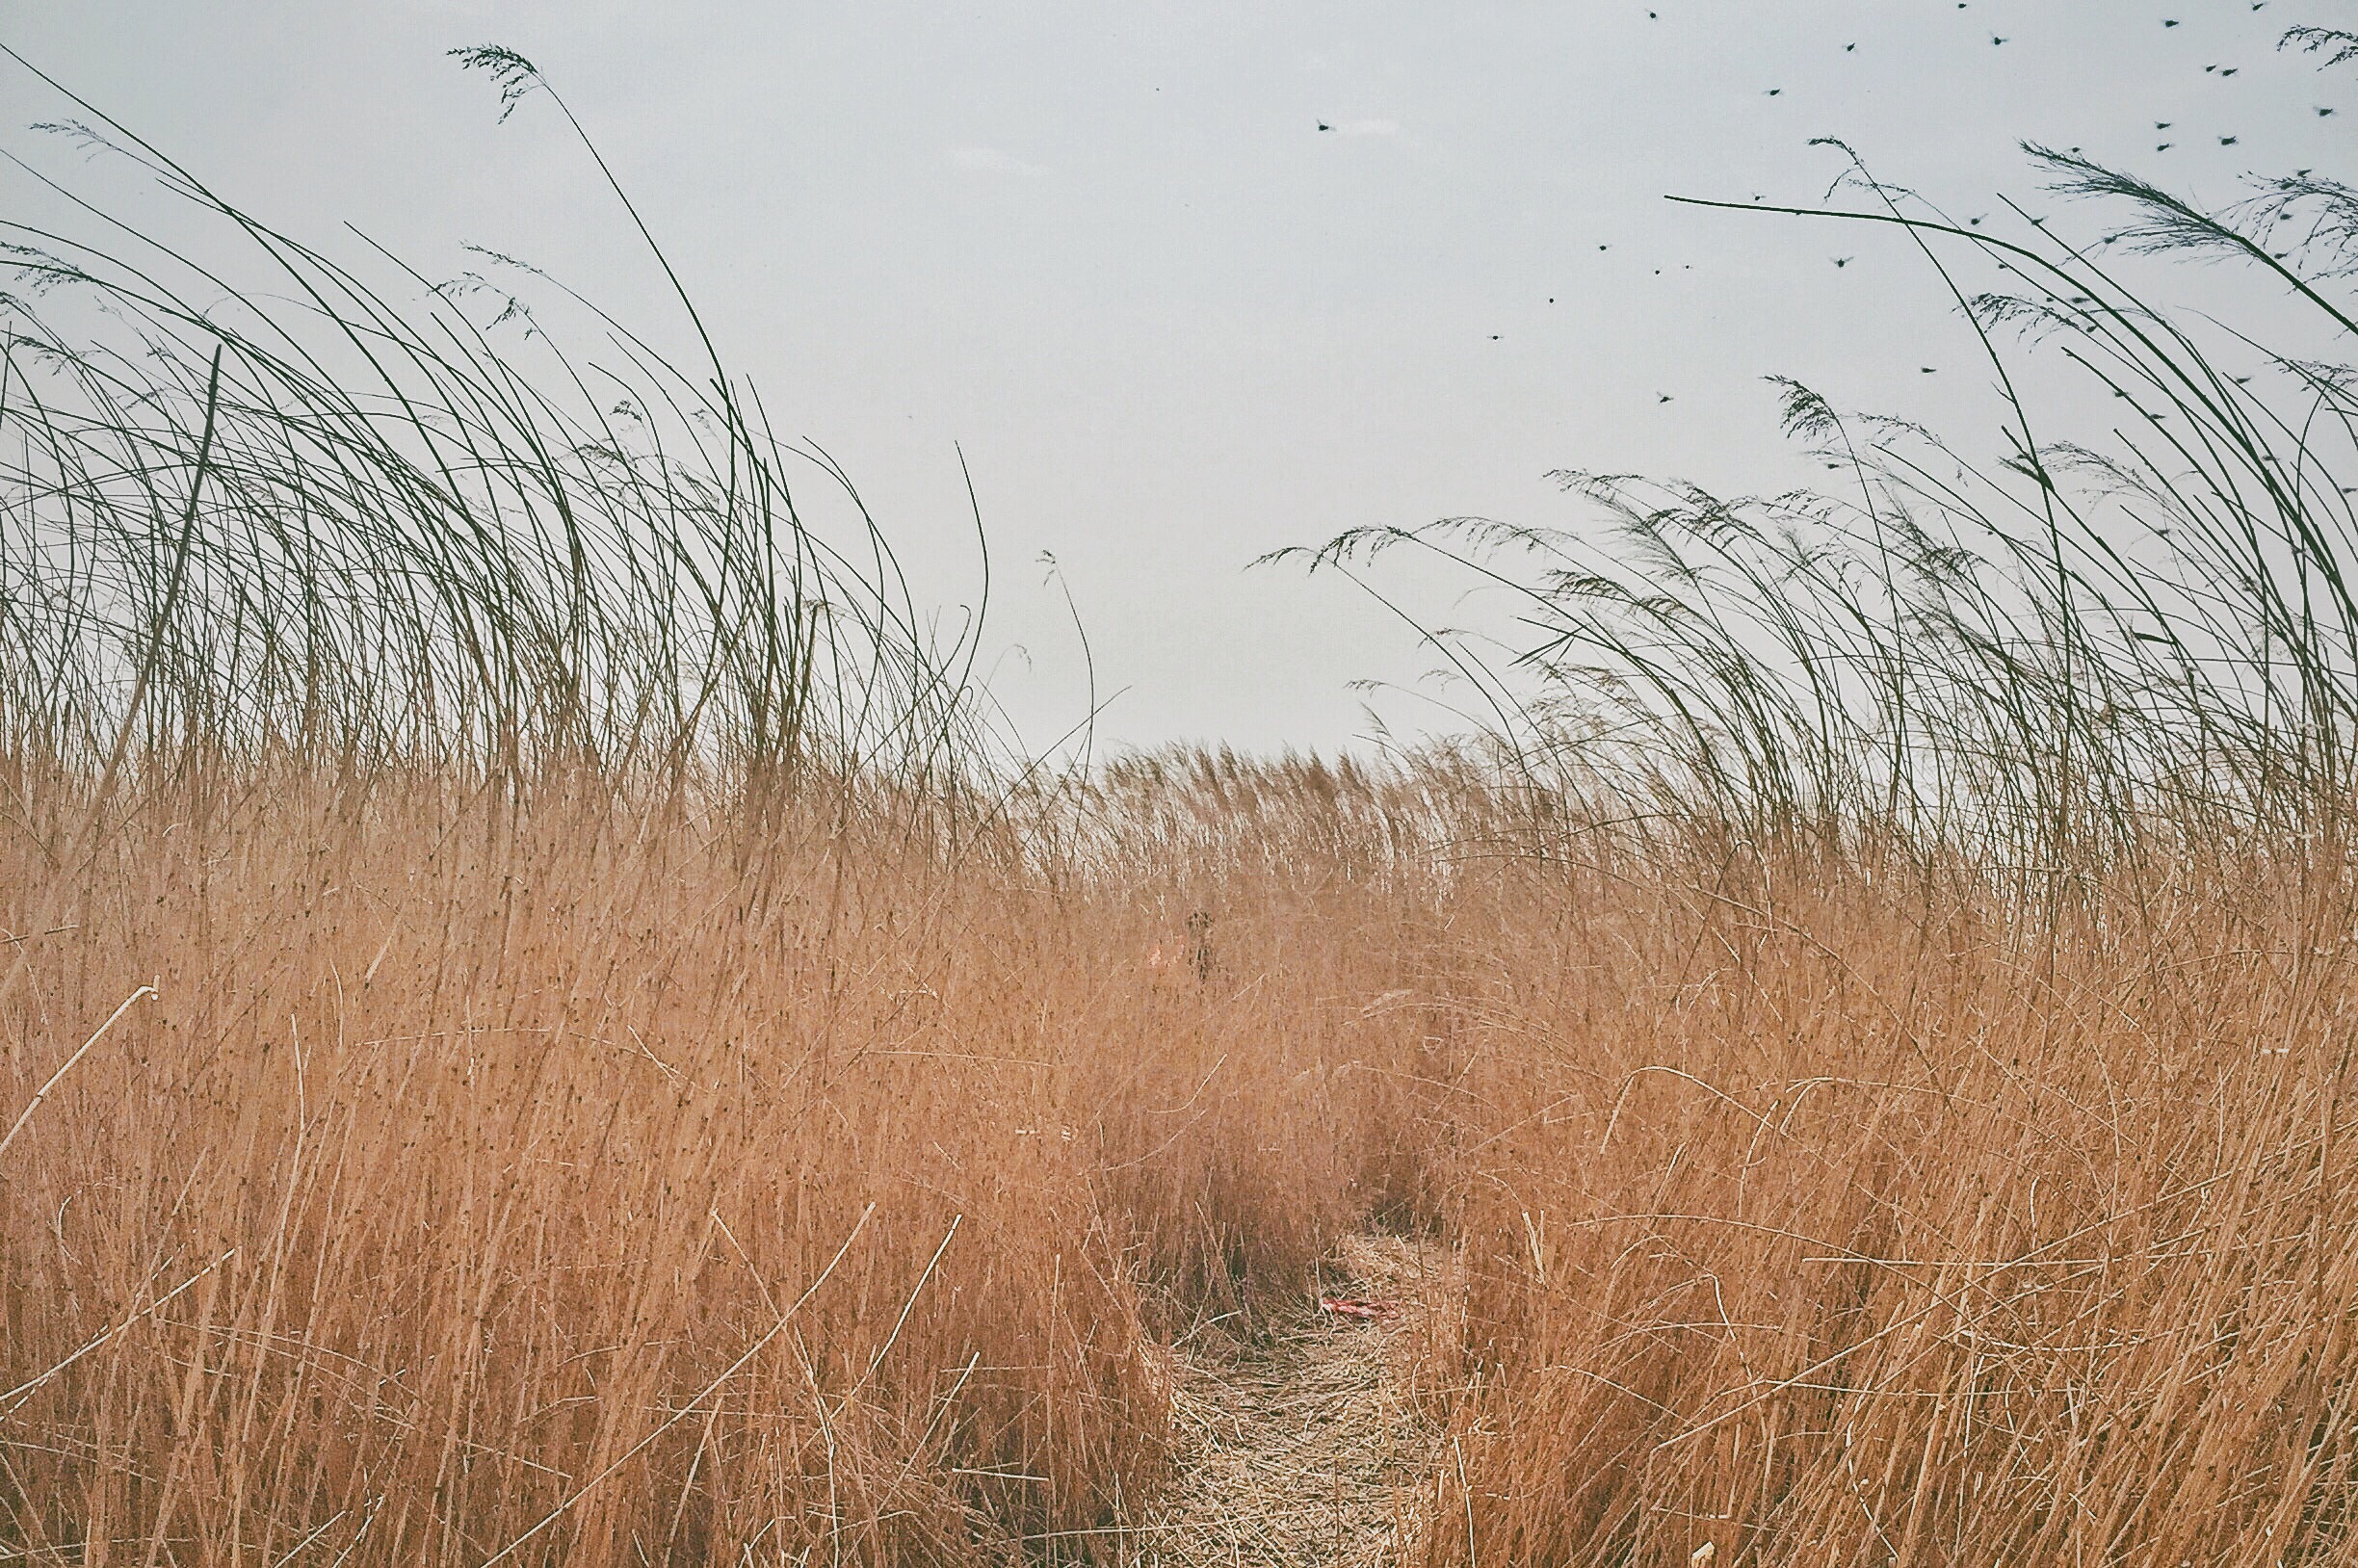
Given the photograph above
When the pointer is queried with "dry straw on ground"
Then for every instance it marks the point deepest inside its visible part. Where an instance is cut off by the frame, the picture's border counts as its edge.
(1302, 1439)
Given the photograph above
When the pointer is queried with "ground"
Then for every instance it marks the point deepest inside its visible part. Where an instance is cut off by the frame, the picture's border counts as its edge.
(1309, 1441)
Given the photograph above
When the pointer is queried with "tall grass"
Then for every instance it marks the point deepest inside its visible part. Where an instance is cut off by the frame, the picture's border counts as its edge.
(1917, 1137)
(569, 1185)
(617, 1068)
(2035, 657)
(288, 512)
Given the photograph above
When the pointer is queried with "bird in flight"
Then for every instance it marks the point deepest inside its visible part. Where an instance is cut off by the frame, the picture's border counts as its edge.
(2229, 140)
(1323, 126)
(1844, 261)
(1995, 40)
(1662, 397)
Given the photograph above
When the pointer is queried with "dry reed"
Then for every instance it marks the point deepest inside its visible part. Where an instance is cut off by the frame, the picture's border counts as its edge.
(620, 1070)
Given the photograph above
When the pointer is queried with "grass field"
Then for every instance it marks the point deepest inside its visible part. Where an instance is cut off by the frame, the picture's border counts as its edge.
(478, 1174)
(538, 1024)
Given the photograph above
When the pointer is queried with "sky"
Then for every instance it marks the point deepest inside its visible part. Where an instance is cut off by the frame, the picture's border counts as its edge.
(1183, 284)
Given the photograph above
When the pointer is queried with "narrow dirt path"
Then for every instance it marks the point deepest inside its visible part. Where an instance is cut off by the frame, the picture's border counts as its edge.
(1306, 1444)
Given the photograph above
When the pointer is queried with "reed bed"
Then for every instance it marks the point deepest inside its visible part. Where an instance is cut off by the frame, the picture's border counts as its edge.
(1822, 1212)
(1908, 1130)
(538, 1023)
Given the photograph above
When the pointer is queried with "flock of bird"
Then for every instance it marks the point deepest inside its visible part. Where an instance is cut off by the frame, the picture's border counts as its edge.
(1997, 41)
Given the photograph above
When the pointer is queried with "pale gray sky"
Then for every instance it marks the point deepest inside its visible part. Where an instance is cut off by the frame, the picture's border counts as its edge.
(1175, 324)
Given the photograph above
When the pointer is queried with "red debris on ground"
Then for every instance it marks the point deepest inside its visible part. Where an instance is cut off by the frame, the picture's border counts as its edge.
(1352, 1306)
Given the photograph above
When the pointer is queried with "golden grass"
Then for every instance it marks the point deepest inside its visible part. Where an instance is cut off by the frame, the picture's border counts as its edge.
(572, 1184)
(478, 1147)
(1828, 1217)
(528, 1034)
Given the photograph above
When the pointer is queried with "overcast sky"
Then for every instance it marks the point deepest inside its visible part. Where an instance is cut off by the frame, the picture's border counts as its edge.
(1109, 251)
